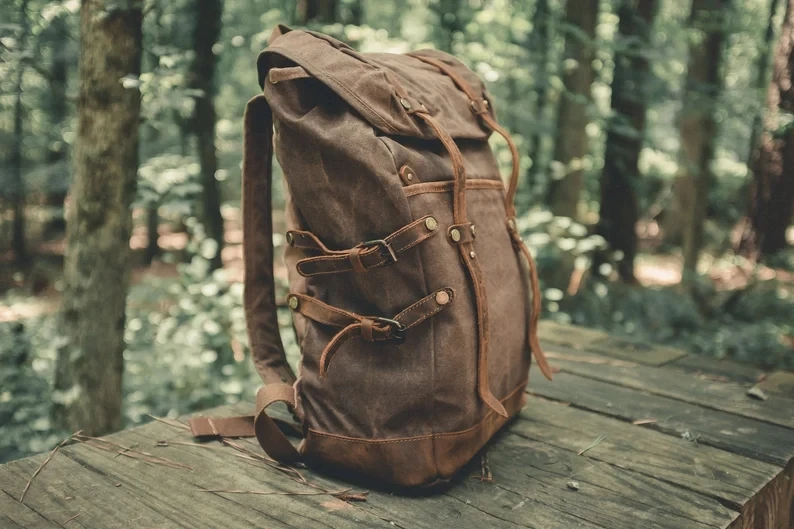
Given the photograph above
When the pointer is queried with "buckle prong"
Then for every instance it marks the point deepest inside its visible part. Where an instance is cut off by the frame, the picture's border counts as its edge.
(396, 328)
(380, 243)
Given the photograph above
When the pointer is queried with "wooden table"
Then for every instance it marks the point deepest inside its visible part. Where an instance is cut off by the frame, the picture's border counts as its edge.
(674, 442)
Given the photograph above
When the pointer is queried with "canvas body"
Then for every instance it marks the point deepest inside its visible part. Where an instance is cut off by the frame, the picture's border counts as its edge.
(361, 163)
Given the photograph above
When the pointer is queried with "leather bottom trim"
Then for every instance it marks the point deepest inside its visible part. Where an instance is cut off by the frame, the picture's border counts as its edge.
(410, 461)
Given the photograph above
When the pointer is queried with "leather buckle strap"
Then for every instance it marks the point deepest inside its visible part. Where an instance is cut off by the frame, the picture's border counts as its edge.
(364, 256)
(370, 328)
(261, 425)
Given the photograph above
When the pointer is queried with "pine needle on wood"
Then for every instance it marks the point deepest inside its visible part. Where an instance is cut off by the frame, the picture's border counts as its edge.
(70, 519)
(595, 443)
(36, 473)
(170, 422)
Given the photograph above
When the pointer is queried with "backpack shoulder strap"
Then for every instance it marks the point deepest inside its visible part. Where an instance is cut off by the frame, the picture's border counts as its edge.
(259, 300)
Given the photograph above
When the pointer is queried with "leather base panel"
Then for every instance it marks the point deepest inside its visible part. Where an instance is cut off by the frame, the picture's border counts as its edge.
(409, 461)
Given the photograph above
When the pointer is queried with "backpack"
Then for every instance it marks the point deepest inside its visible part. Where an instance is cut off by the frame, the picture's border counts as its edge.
(410, 286)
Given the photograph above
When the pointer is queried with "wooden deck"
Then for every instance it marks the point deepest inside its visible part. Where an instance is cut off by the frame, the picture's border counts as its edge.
(674, 442)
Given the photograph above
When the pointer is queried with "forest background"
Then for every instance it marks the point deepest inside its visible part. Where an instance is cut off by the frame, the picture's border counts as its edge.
(657, 186)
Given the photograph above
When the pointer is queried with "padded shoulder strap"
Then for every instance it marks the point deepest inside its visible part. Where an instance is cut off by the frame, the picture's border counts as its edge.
(260, 296)
(260, 292)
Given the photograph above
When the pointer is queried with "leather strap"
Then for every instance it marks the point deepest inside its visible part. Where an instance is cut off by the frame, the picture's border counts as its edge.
(365, 256)
(370, 328)
(259, 297)
(468, 256)
(479, 107)
(261, 425)
(532, 338)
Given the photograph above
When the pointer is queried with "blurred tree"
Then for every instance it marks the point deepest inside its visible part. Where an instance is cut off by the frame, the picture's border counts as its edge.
(16, 192)
(539, 43)
(571, 147)
(698, 127)
(58, 115)
(771, 207)
(326, 11)
(202, 81)
(450, 22)
(619, 210)
(764, 64)
(90, 361)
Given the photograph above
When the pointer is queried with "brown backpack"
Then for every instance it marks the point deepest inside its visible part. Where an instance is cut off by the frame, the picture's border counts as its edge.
(409, 284)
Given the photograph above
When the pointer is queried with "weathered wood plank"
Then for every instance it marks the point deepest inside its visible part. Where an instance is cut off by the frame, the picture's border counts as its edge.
(748, 437)
(711, 368)
(676, 384)
(19, 514)
(729, 478)
(537, 462)
(778, 383)
(65, 488)
(450, 508)
(610, 496)
(583, 339)
(773, 506)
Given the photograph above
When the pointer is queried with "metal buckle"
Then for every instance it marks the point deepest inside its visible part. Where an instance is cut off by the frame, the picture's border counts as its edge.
(383, 244)
(396, 328)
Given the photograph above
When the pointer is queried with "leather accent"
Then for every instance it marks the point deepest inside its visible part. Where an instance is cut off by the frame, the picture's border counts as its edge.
(213, 427)
(472, 266)
(465, 233)
(479, 106)
(361, 258)
(270, 437)
(410, 461)
(259, 297)
(261, 425)
(277, 75)
(371, 328)
(446, 187)
(408, 176)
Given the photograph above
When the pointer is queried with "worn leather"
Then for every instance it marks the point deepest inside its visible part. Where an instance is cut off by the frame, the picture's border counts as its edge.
(371, 147)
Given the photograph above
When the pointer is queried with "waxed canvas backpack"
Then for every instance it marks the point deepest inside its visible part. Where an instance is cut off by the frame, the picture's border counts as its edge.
(414, 300)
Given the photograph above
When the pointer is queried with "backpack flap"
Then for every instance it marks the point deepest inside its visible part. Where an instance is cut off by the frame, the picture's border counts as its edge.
(383, 88)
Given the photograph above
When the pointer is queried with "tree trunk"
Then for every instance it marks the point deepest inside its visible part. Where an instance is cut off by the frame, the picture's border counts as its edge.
(698, 128)
(17, 192)
(619, 211)
(58, 111)
(317, 10)
(771, 208)
(90, 362)
(571, 145)
(207, 31)
(762, 78)
(539, 43)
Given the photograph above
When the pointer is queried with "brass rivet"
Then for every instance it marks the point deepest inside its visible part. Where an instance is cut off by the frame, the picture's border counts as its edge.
(455, 235)
(293, 302)
(511, 223)
(405, 103)
(472, 254)
(431, 223)
(409, 176)
(442, 298)
(473, 231)
(290, 238)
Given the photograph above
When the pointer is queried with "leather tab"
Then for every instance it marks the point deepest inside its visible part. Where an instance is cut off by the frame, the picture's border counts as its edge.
(461, 233)
(211, 427)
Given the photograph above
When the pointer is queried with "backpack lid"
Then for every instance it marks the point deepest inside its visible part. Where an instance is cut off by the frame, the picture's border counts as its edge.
(370, 83)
